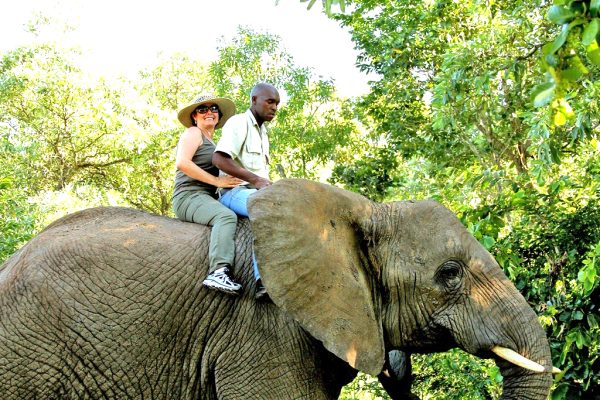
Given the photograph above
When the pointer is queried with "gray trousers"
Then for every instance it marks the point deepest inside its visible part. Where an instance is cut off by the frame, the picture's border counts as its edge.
(202, 208)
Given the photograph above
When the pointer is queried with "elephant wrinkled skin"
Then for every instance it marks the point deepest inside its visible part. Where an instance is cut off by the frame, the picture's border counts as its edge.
(108, 302)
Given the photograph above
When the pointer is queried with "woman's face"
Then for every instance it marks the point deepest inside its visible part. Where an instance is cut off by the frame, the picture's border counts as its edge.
(206, 116)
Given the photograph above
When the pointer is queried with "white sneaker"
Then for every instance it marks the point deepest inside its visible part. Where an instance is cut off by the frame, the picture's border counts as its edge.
(221, 280)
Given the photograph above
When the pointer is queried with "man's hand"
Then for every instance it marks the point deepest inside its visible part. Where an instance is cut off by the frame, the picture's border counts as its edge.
(224, 162)
(260, 183)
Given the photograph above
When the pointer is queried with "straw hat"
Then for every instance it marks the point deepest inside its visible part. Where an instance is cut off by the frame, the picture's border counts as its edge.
(226, 107)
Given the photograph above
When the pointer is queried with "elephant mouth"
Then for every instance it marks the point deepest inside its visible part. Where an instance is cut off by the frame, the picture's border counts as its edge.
(437, 338)
(433, 339)
(445, 341)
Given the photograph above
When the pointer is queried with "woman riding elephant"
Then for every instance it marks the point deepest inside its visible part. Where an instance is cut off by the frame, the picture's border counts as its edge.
(196, 182)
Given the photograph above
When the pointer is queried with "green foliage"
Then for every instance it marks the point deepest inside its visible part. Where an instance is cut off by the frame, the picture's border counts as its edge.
(58, 117)
(364, 387)
(433, 102)
(552, 260)
(73, 141)
(445, 376)
(455, 375)
(17, 217)
(327, 4)
(313, 127)
(461, 111)
(571, 57)
(371, 175)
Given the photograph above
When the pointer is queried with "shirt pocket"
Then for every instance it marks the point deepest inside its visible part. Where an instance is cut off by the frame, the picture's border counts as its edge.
(254, 156)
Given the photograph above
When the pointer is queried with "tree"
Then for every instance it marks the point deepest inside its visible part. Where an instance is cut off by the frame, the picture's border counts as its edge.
(67, 135)
(313, 127)
(68, 127)
(571, 59)
(459, 104)
(327, 4)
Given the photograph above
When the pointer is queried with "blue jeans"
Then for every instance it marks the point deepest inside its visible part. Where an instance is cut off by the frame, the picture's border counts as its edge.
(236, 199)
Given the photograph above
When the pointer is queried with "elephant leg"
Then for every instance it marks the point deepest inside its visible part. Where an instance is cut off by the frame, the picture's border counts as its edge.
(396, 377)
(270, 357)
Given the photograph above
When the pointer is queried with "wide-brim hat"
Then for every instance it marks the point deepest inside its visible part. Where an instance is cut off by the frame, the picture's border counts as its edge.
(225, 105)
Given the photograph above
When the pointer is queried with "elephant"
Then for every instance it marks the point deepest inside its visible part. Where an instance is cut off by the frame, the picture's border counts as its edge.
(108, 303)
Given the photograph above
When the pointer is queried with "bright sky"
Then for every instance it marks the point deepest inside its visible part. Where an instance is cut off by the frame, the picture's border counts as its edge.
(123, 36)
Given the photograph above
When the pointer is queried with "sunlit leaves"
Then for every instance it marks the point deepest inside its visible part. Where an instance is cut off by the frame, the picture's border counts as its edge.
(579, 33)
(327, 4)
(589, 274)
(65, 122)
(544, 94)
(590, 32)
(560, 14)
(17, 214)
(508, 144)
(593, 53)
(313, 127)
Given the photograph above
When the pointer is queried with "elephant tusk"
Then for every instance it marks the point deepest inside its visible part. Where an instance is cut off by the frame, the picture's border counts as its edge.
(517, 359)
(556, 370)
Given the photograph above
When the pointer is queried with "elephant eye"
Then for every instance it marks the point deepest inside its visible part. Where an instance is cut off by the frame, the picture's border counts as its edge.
(450, 274)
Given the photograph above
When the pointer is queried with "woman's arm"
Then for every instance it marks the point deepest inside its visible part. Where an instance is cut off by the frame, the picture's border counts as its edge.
(189, 142)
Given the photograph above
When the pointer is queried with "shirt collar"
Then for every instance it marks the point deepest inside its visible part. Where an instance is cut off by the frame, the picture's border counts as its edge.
(253, 120)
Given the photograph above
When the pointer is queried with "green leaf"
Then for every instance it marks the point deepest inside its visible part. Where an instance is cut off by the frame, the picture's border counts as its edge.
(594, 7)
(560, 392)
(576, 69)
(559, 14)
(552, 47)
(571, 74)
(543, 94)
(488, 242)
(592, 321)
(555, 150)
(590, 32)
(551, 59)
(5, 182)
(594, 55)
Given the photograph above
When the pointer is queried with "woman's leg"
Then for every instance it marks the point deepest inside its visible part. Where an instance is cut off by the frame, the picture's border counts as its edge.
(201, 208)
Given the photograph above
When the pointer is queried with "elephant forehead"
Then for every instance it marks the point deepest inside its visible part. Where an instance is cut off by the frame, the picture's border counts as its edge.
(430, 220)
(425, 233)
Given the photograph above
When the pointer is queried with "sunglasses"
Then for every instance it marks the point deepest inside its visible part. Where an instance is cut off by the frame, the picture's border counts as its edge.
(204, 109)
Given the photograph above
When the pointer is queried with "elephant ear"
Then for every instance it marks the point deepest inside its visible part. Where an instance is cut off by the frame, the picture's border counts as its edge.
(307, 245)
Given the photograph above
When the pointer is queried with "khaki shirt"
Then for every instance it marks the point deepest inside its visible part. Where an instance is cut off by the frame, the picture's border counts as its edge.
(246, 143)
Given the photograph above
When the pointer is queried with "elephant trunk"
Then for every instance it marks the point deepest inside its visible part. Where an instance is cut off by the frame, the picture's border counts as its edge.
(523, 379)
(523, 384)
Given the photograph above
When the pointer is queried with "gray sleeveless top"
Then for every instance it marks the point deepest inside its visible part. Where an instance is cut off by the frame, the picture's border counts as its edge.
(202, 158)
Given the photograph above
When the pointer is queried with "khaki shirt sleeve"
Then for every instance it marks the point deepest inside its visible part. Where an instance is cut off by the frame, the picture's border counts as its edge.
(233, 136)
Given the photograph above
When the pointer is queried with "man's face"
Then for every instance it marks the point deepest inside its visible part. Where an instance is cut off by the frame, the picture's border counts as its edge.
(265, 104)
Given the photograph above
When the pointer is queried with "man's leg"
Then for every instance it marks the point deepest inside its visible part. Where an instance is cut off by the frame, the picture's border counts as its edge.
(237, 200)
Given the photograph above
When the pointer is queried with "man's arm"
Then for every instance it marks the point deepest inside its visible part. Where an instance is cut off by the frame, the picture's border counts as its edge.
(224, 162)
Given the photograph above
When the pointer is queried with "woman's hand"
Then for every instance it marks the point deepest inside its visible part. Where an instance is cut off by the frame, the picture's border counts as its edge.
(227, 181)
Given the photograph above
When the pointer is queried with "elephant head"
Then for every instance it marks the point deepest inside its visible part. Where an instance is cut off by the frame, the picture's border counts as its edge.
(368, 278)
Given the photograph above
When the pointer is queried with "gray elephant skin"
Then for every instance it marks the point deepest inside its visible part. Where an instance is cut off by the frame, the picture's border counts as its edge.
(107, 303)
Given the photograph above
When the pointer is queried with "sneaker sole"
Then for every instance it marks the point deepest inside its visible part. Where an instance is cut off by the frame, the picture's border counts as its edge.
(211, 285)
